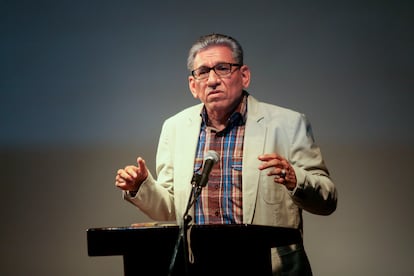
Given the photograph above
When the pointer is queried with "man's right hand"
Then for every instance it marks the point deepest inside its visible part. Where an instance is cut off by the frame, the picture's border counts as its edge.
(131, 177)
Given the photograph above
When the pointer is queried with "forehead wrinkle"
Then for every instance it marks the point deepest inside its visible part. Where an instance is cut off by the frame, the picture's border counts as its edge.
(212, 56)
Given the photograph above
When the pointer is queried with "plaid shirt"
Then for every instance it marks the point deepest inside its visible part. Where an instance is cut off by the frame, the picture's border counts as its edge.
(220, 201)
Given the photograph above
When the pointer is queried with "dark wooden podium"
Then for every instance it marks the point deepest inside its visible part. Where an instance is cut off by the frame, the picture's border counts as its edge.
(217, 249)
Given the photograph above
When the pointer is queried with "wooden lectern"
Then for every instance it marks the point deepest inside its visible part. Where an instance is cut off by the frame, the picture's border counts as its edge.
(236, 249)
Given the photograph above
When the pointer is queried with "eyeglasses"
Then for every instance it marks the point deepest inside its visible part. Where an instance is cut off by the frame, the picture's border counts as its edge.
(221, 69)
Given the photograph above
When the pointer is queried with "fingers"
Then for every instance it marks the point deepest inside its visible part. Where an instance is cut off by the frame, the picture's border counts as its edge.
(281, 176)
(272, 160)
(280, 168)
(269, 156)
(125, 178)
(131, 177)
(286, 177)
(129, 173)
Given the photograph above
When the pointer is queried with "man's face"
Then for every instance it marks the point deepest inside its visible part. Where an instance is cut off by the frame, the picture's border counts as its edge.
(218, 93)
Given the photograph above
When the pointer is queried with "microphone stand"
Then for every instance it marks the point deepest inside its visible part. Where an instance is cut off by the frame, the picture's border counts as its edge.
(181, 239)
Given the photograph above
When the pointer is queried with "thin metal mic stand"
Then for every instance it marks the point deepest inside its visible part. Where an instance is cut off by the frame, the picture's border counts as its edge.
(181, 240)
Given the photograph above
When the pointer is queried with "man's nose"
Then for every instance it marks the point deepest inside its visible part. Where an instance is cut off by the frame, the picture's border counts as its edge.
(213, 78)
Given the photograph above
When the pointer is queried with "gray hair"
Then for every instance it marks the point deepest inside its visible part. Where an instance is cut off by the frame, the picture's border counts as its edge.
(213, 40)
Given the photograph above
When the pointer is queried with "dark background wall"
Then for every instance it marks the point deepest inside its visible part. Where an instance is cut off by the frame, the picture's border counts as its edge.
(86, 85)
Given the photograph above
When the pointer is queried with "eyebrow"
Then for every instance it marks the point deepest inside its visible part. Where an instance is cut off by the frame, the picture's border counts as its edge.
(220, 62)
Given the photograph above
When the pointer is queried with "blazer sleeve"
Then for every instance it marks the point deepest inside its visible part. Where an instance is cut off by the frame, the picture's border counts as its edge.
(315, 191)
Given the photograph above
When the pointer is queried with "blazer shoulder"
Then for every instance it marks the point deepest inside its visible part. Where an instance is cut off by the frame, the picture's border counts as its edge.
(271, 111)
(187, 113)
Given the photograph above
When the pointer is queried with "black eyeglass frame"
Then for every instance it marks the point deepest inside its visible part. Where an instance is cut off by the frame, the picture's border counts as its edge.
(214, 69)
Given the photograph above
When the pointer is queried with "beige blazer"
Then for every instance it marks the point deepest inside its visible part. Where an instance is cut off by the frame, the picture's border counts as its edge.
(269, 128)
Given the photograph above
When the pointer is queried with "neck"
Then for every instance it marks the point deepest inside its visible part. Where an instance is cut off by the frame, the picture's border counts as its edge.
(218, 118)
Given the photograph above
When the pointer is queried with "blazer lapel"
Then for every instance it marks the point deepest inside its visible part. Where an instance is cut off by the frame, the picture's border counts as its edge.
(186, 145)
(254, 140)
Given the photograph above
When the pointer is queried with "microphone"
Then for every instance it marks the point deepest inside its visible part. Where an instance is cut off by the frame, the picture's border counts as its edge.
(210, 159)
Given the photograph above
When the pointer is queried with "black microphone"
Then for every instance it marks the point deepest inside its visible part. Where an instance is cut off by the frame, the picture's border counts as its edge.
(210, 159)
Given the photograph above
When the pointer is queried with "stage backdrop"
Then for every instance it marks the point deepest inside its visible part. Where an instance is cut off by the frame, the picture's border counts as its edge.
(86, 85)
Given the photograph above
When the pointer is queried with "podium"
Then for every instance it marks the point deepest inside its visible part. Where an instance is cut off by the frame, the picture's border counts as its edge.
(235, 249)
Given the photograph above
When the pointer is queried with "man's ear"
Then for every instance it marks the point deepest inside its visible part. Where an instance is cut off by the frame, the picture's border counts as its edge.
(191, 85)
(245, 70)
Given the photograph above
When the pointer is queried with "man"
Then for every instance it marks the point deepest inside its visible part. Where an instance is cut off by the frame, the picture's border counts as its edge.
(269, 170)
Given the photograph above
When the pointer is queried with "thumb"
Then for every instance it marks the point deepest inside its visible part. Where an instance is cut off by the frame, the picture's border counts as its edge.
(141, 163)
(142, 168)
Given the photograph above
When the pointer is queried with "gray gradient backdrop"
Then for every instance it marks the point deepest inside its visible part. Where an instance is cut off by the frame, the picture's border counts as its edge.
(86, 85)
